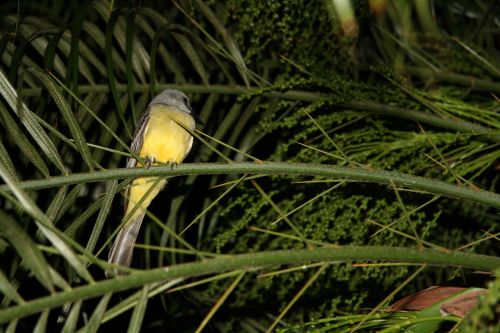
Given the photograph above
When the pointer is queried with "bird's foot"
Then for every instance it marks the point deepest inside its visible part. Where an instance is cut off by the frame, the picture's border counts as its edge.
(172, 165)
(150, 160)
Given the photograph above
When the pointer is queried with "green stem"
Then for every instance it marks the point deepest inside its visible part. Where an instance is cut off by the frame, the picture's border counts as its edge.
(379, 108)
(464, 80)
(449, 123)
(276, 168)
(254, 261)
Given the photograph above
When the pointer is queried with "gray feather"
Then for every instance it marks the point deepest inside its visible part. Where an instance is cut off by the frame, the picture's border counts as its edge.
(123, 247)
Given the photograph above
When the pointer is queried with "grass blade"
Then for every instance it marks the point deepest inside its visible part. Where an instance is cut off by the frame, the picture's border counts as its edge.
(69, 117)
(103, 213)
(235, 53)
(41, 324)
(72, 319)
(27, 149)
(192, 55)
(140, 309)
(43, 224)
(96, 318)
(8, 289)
(28, 120)
(27, 250)
(7, 162)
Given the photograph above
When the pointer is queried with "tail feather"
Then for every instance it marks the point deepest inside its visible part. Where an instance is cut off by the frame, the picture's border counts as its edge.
(123, 247)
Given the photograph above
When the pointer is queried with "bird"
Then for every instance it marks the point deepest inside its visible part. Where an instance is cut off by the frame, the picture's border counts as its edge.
(163, 135)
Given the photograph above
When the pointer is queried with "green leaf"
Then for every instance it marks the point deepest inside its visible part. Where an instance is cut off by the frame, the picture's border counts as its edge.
(6, 287)
(96, 318)
(28, 120)
(11, 328)
(139, 310)
(110, 26)
(56, 203)
(111, 189)
(27, 249)
(192, 55)
(231, 45)
(27, 149)
(130, 57)
(7, 162)
(65, 108)
(158, 48)
(75, 61)
(72, 319)
(45, 226)
(41, 324)
(69, 200)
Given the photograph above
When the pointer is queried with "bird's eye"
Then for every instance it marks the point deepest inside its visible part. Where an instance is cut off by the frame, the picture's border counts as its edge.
(185, 100)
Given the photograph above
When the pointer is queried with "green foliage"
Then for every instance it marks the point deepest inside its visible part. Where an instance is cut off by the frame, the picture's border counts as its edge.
(271, 81)
(297, 30)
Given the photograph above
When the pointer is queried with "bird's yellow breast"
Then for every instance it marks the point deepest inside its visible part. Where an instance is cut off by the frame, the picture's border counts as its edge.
(164, 139)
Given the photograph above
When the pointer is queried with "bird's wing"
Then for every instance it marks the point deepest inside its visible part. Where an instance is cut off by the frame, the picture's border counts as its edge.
(121, 252)
(140, 130)
(136, 146)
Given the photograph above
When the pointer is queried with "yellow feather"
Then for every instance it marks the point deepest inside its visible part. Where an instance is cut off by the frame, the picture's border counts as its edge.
(164, 141)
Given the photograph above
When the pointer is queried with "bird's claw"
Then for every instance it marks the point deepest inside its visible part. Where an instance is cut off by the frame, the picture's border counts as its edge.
(149, 161)
(172, 165)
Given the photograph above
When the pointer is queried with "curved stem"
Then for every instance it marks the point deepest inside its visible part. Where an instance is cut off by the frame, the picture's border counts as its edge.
(450, 123)
(471, 82)
(370, 106)
(254, 261)
(392, 178)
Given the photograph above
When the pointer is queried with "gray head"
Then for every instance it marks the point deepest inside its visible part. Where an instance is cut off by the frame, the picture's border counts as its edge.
(172, 97)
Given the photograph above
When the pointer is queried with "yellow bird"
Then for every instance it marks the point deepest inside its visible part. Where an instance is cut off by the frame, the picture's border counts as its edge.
(161, 136)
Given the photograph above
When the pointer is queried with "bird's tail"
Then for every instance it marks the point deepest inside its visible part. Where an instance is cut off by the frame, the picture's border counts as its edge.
(123, 247)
